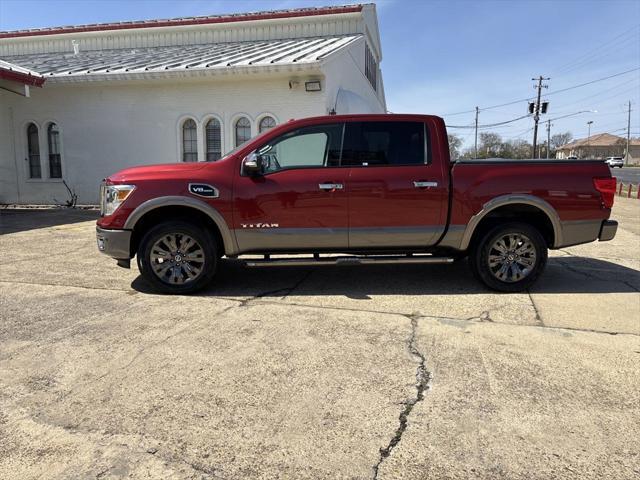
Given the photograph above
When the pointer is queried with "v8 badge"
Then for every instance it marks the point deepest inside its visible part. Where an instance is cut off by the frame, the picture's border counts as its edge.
(203, 190)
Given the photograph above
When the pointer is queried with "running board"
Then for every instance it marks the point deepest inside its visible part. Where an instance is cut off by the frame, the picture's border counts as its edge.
(348, 260)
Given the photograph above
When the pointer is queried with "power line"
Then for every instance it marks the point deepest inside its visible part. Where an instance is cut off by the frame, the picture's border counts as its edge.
(615, 112)
(569, 115)
(601, 92)
(524, 132)
(589, 56)
(601, 101)
(594, 81)
(622, 50)
(489, 125)
(549, 93)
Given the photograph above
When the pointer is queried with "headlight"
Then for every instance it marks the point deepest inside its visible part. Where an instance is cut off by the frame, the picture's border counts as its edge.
(112, 196)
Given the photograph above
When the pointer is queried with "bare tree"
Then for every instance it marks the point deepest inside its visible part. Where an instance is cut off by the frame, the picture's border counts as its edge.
(560, 139)
(455, 143)
(490, 145)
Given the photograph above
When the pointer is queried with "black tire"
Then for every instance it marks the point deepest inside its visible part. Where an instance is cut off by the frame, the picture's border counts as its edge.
(479, 257)
(205, 258)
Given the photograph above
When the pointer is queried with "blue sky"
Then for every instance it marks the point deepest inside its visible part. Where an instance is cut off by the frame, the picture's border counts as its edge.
(445, 57)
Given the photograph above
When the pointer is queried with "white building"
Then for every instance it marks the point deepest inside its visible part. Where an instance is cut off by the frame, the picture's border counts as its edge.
(79, 103)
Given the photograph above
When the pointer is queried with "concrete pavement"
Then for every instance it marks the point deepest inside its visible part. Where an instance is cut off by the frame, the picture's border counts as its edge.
(345, 372)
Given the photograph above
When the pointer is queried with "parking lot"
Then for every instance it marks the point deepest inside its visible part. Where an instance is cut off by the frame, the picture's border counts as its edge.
(329, 372)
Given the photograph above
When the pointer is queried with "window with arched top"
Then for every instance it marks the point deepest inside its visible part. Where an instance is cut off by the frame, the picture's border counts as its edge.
(33, 150)
(213, 140)
(189, 141)
(242, 130)
(55, 158)
(266, 123)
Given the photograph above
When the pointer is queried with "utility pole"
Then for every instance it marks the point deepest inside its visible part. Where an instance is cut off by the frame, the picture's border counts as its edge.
(626, 157)
(476, 147)
(548, 137)
(589, 134)
(536, 113)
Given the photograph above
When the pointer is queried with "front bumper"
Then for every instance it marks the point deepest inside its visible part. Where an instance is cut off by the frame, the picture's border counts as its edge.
(115, 243)
(608, 230)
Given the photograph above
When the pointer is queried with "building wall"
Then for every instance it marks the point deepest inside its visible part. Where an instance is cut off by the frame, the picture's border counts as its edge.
(108, 127)
(348, 89)
(8, 183)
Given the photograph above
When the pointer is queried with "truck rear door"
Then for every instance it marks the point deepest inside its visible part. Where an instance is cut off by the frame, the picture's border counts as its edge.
(398, 192)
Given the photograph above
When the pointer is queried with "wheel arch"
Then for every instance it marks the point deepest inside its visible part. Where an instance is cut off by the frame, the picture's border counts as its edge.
(539, 212)
(183, 207)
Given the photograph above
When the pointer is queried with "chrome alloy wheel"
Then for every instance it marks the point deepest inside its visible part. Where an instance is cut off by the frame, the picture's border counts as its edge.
(512, 257)
(177, 258)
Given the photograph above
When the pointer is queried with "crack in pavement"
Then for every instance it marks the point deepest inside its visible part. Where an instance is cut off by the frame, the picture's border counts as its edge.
(485, 316)
(190, 327)
(62, 285)
(423, 380)
(590, 275)
(114, 438)
(474, 319)
(259, 299)
(535, 309)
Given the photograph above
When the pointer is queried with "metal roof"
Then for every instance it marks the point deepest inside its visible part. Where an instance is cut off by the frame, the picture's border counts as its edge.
(183, 58)
(599, 140)
(200, 20)
(16, 73)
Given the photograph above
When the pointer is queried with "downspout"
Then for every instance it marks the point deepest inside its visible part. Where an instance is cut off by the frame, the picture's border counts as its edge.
(15, 160)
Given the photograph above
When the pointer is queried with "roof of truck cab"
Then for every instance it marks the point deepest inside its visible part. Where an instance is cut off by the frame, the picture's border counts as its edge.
(368, 116)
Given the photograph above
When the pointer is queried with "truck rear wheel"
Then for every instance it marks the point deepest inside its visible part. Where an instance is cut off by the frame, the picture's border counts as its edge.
(509, 257)
(177, 257)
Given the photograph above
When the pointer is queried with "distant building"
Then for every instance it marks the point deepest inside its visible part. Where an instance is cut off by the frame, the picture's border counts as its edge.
(601, 145)
(79, 103)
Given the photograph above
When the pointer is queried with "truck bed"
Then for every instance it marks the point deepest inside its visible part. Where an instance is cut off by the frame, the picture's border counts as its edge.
(565, 187)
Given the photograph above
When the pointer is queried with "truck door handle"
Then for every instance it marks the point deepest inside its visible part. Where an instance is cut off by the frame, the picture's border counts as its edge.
(423, 184)
(330, 186)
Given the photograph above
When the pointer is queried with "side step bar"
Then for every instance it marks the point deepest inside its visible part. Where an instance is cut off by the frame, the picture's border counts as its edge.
(347, 260)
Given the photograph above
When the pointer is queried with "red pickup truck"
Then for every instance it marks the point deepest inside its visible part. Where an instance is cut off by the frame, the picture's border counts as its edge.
(352, 190)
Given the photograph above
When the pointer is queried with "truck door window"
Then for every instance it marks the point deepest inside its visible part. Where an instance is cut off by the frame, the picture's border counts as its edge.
(307, 147)
(384, 143)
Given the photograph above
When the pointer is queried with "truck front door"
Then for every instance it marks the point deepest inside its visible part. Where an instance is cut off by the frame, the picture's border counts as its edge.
(397, 193)
(299, 202)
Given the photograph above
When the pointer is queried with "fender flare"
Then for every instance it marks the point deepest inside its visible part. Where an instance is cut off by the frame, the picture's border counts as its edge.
(230, 245)
(514, 199)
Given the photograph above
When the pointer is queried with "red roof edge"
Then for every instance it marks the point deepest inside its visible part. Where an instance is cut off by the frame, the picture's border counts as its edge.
(184, 21)
(24, 78)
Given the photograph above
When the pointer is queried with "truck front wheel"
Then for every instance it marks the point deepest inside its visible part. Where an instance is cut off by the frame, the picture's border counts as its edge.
(177, 257)
(509, 257)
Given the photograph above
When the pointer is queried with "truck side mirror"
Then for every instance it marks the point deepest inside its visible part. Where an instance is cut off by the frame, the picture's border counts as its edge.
(252, 165)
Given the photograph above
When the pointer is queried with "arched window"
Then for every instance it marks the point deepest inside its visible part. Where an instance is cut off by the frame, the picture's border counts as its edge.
(189, 141)
(33, 147)
(266, 123)
(55, 160)
(213, 140)
(243, 130)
